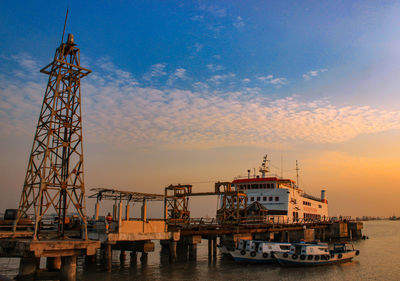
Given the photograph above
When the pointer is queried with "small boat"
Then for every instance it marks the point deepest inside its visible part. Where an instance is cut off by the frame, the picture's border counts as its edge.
(256, 251)
(304, 254)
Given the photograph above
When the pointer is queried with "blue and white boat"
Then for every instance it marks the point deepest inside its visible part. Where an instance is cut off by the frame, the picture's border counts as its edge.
(256, 251)
(303, 254)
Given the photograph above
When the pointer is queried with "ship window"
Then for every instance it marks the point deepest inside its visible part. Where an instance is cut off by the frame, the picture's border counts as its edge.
(252, 198)
(264, 198)
(270, 198)
(258, 198)
(264, 185)
(276, 198)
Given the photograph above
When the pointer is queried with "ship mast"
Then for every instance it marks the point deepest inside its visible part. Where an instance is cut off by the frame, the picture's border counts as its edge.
(264, 169)
(297, 174)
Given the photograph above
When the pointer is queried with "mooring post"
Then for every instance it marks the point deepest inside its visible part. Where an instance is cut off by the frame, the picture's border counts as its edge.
(108, 257)
(172, 251)
(192, 252)
(122, 257)
(68, 268)
(143, 258)
(133, 258)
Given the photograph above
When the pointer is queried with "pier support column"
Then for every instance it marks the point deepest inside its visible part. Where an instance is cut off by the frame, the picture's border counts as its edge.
(90, 260)
(209, 248)
(108, 257)
(214, 248)
(192, 252)
(143, 258)
(53, 263)
(68, 269)
(133, 258)
(27, 268)
(172, 251)
(122, 257)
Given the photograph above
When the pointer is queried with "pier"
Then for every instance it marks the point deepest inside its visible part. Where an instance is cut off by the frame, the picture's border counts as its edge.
(51, 221)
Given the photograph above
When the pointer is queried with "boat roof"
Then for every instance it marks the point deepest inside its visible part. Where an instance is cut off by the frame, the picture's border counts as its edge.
(262, 180)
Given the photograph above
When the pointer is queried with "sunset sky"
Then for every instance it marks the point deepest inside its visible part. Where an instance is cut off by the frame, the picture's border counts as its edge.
(194, 92)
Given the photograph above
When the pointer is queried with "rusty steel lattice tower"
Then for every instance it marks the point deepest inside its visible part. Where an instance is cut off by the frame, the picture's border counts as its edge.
(54, 179)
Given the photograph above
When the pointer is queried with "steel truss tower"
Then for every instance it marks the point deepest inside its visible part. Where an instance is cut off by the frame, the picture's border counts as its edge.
(54, 179)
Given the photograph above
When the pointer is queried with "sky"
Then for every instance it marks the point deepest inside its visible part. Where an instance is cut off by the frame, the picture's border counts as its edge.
(195, 92)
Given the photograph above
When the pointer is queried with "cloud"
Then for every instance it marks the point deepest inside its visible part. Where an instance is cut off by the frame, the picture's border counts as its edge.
(156, 70)
(218, 78)
(215, 67)
(197, 18)
(238, 23)
(274, 81)
(198, 47)
(246, 80)
(214, 10)
(180, 73)
(118, 112)
(313, 73)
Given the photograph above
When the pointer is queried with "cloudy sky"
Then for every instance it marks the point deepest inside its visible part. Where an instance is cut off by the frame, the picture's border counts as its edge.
(198, 91)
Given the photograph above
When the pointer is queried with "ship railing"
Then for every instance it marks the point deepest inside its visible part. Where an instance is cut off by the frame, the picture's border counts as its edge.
(203, 221)
(279, 220)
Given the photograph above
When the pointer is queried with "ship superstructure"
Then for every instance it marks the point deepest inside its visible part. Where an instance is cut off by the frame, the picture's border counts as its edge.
(283, 200)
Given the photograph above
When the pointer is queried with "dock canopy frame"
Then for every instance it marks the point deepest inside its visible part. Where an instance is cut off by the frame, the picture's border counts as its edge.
(129, 196)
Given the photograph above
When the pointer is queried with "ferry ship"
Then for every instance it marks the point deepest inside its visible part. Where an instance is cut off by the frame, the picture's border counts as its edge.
(282, 198)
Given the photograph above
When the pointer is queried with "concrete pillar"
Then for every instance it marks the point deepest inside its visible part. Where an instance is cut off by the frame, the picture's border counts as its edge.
(172, 251)
(144, 210)
(96, 212)
(122, 257)
(127, 211)
(119, 213)
(68, 268)
(214, 246)
(209, 248)
(192, 252)
(53, 263)
(27, 268)
(108, 257)
(133, 258)
(143, 258)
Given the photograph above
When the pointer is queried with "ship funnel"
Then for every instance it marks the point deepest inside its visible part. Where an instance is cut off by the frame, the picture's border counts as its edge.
(323, 196)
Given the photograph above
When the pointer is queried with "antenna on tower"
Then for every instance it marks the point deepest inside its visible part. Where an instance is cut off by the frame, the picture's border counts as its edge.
(297, 174)
(264, 166)
(65, 24)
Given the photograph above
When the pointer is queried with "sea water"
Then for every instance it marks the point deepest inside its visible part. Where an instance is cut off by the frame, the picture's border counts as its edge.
(379, 259)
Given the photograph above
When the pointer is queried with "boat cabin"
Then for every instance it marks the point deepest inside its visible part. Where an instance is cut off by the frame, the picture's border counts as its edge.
(268, 247)
(309, 249)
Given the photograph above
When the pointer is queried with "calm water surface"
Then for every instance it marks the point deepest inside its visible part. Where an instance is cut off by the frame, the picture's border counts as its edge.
(379, 260)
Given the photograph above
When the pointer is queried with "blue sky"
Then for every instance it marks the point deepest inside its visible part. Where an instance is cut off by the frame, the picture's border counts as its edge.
(218, 82)
(238, 43)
